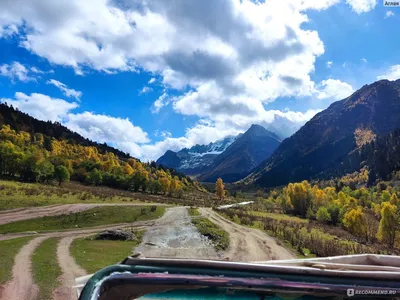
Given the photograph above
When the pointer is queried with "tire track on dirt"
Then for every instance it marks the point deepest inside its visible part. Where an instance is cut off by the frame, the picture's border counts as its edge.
(70, 270)
(21, 287)
(19, 214)
(247, 244)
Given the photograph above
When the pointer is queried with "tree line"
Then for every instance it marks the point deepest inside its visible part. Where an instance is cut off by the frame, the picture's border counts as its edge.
(35, 157)
(370, 214)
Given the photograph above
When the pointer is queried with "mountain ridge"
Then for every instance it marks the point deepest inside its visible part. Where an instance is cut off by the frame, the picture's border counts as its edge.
(325, 140)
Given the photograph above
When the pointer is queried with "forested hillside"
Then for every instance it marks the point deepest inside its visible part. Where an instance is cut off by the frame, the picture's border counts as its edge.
(328, 144)
(36, 151)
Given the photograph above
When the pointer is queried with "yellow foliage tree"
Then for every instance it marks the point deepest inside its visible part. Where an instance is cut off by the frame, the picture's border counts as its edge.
(220, 189)
(164, 181)
(388, 224)
(128, 170)
(354, 221)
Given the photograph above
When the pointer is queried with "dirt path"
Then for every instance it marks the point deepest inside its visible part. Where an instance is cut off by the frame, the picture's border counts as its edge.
(21, 287)
(173, 235)
(248, 244)
(7, 216)
(137, 225)
(70, 270)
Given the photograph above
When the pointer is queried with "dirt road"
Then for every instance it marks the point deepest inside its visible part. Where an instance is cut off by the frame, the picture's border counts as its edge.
(13, 215)
(247, 244)
(173, 235)
(21, 287)
(70, 270)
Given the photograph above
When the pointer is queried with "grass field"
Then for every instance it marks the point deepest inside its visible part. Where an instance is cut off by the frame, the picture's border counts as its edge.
(8, 250)
(219, 237)
(279, 217)
(89, 218)
(45, 268)
(15, 194)
(93, 255)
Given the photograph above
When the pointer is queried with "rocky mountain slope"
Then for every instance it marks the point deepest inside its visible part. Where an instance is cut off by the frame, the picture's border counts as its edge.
(322, 145)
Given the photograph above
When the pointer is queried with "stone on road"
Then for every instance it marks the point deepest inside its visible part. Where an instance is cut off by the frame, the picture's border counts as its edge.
(173, 235)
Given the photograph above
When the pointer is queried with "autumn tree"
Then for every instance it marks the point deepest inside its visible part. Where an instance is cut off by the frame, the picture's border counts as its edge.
(220, 189)
(164, 181)
(61, 174)
(354, 221)
(388, 224)
(323, 215)
(299, 197)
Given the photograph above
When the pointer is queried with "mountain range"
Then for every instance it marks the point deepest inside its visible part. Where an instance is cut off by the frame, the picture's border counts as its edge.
(231, 158)
(324, 144)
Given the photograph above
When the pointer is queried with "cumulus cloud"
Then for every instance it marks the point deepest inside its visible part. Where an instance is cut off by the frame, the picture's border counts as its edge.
(361, 6)
(393, 73)
(260, 51)
(41, 106)
(118, 132)
(333, 89)
(64, 88)
(15, 71)
(223, 61)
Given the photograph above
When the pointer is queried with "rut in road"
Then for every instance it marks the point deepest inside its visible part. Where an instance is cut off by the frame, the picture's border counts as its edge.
(247, 244)
(21, 287)
(70, 270)
(173, 235)
(18, 214)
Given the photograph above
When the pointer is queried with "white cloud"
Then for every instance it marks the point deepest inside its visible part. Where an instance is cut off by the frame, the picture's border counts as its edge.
(329, 64)
(145, 90)
(393, 73)
(258, 53)
(364, 60)
(66, 91)
(118, 132)
(15, 71)
(344, 65)
(160, 102)
(224, 59)
(41, 106)
(36, 70)
(389, 14)
(361, 6)
(334, 89)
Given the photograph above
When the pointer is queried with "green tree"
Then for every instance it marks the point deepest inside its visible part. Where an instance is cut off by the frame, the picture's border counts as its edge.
(323, 215)
(61, 174)
(155, 186)
(94, 177)
(44, 170)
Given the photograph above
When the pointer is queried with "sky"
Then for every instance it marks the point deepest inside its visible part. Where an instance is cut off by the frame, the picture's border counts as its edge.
(146, 76)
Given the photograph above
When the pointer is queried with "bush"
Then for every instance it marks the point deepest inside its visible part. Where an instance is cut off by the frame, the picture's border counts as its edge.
(323, 216)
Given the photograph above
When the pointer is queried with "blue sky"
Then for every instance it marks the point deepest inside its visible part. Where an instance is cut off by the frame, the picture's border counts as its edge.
(148, 76)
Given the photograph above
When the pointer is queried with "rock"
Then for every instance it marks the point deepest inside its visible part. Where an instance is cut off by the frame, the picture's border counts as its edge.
(115, 235)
